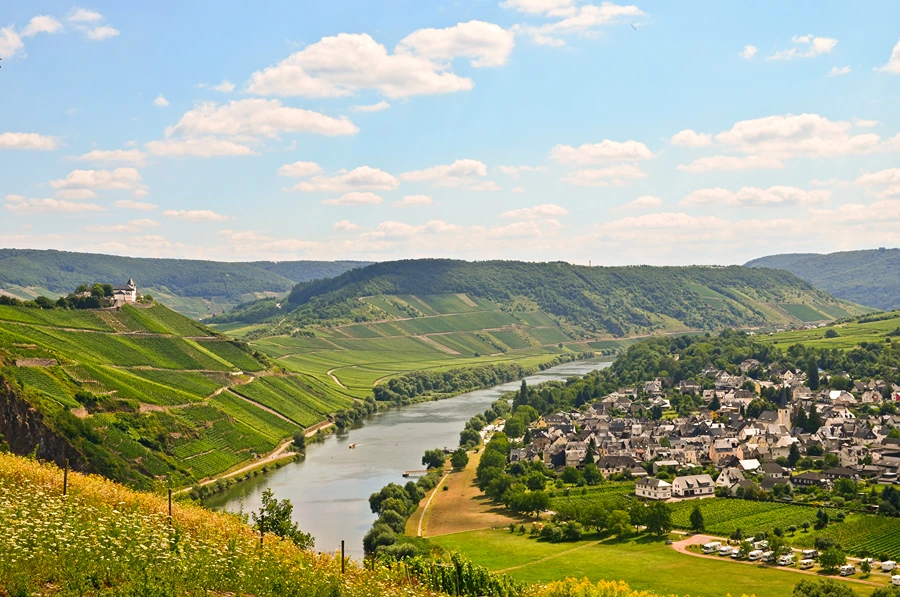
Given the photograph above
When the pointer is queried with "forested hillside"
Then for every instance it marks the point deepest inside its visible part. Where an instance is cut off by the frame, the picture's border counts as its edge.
(601, 301)
(193, 287)
(869, 278)
(143, 394)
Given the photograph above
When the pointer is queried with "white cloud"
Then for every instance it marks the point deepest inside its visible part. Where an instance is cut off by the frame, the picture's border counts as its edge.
(203, 147)
(837, 71)
(690, 138)
(346, 63)
(517, 190)
(584, 19)
(642, 202)
(82, 15)
(539, 7)
(131, 226)
(893, 65)
(831, 182)
(345, 225)
(887, 210)
(862, 122)
(792, 135)
(195, 215)
(456, 174)
(748, 52)
(22, 205)
(538, 212)
(257, 118)
(806, 46)
(880, 178)
(377, 107)
(75, 194)
(225, 86)
(299, 169)
(514, 171)
(131, 156)
(160, 101)
(361, 178)
(41, 24)
(400, 230)
(102, 32)
(756, 197)
(604, 177)
(597, 153)
(27, 141)
(119, 179)
(414, 201)
(484, 44)
(355, 198)
(135, 205)
(10, 42)
(729, 163)
(488, 185)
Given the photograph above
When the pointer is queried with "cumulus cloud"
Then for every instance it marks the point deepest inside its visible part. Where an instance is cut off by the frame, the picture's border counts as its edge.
(88, 22)
(484, 44)
(598, 153)
(31, 141)
(355, 198)
(10, 42)
(225, 86)
(756, 197)
(376, 107)
(203, 147)
(720, 163)
(792, 135)
(414, 201)
(123, 179)
(102, 32)
(195, 215)
(345, 225)
(893, 64)
(76, 194)
(460, 172)
(748, 52)
(421, 63)
(862, 122)
(887, 210)
(642, 202)
(135, 205)
(361, 178)
(515, 171)
(131, 226)
(299, 169)
(257, 118)
(567, 19)
(517, 190)
(401, 230)
(110, 156)
(884, 183)
(837, 71)
(690, 138)
(604, 177)
(22, 205)
(538, 212)
(83, 15)
(488, 185)
(41, 24)
(160, 101)
(806, 46)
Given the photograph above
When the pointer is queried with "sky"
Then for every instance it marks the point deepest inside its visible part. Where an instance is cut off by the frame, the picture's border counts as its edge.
(651, 132)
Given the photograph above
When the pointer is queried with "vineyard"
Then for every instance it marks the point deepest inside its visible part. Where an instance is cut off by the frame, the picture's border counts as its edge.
(609, 496)
(863, 534)
(722, 516)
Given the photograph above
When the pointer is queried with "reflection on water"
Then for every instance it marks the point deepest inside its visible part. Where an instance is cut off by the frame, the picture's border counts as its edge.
(331, 487)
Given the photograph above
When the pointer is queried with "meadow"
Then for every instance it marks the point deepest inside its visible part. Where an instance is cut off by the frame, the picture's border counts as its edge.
(850, 334)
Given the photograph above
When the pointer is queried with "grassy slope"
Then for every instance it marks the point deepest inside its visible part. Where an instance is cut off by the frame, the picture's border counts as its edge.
(157, 378)
(850, 334)
(644, 563)
(864, 277)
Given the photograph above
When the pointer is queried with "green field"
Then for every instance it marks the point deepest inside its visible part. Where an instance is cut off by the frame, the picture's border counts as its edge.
(722, 516)
(849, 334)
(878, 535)
(644, 563)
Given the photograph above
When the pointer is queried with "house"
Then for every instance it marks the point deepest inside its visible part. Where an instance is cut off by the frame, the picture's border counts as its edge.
(724, 448)
(653, 489)
(692, 486)
(125, 294)
(611, 465)
(809, 479)
(773, 470)
(729, 477)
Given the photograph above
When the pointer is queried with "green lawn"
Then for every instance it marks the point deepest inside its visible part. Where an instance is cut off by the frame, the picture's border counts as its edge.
(645, 564)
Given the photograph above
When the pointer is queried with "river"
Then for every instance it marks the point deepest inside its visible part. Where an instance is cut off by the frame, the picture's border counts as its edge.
(330, 488)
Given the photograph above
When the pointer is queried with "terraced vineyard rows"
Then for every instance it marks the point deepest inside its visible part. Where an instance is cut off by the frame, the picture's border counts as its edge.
(722, 516)
(858, 534)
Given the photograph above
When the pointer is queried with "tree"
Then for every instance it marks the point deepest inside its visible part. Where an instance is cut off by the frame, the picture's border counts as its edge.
(825, 587)
(814, 419)
(535, 481)
(831, 333)
(299, 438)
(592, 475)
(459, 459)
(832, 558)
(845, 487)
(697, 524)
(865, 566)
(572, 475)
(619, 524)
(658, 518)
(514, 427)
(434, 458)
(591, 452)
(715, 404)
(469, 437)
(794, 455)
(812, 374)
(888, 591)
(274, 517)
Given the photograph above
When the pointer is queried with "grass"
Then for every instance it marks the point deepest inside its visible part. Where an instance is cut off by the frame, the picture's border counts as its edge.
(850, 334)
(803, 312)
(644, 563)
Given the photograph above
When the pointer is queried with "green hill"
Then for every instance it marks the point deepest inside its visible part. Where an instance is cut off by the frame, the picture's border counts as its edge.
(865, 277)
(143, 394)
(192, 287)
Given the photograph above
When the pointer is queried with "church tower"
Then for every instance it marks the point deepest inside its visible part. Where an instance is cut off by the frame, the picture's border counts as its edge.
(784, 408)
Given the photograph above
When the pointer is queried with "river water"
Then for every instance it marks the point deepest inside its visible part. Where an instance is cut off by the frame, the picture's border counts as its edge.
(330, 488)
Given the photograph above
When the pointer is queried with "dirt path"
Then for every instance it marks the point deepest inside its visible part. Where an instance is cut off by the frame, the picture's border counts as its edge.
(330, 373)
(276, 454)
(556, 555)
(428, 503)
(432, 342)
(682, 547)
(262, 407)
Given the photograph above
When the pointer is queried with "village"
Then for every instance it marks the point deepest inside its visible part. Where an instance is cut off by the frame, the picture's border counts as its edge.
(809, 441)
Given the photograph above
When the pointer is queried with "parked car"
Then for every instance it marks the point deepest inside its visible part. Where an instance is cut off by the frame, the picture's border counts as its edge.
(726, 550)
(711, 547)
(848, 569)
(768, 556)
(755, 555)
(888, 565)
(810, 554)
(807, 564)
(786, 560)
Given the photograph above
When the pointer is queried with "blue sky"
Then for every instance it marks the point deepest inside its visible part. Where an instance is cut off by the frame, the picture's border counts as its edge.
(616, 133)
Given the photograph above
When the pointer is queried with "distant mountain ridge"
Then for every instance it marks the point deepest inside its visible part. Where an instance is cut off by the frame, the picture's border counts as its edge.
(869, 277)
(617, 301)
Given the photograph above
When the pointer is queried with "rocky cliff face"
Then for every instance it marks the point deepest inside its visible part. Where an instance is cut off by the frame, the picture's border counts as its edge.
(24, 430)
